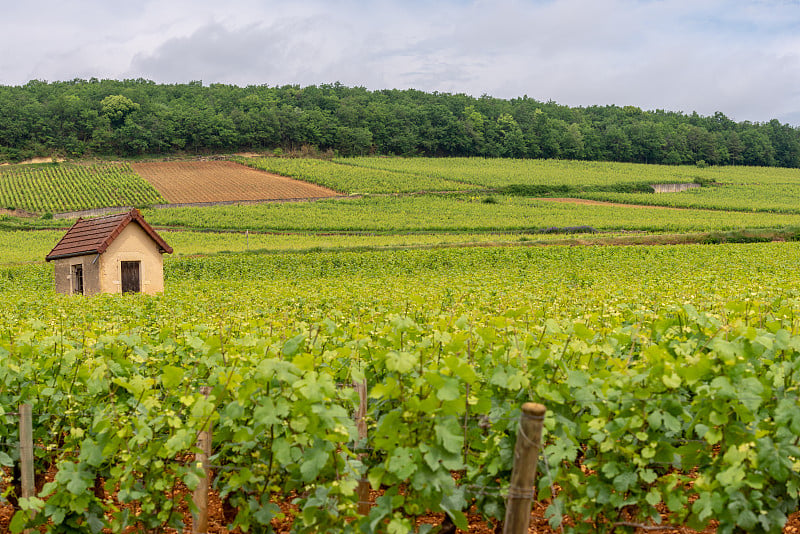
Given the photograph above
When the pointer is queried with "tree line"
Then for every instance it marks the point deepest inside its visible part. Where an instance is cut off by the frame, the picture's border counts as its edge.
(136, 117)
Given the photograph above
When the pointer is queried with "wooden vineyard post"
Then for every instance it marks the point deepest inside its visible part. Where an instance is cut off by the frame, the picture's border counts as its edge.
(26, 451)
(27, 480)
(200, 495)
(361, 425)
(523, 475)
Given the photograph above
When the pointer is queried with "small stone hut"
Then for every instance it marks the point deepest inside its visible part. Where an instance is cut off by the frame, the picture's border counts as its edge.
(113, 254)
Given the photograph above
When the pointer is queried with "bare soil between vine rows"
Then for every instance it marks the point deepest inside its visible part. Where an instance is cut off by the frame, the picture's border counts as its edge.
(538, 523)
(222, 181)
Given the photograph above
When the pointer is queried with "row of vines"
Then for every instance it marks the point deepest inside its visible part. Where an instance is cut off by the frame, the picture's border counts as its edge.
(670, 376)
(353, 179)
(63, 187)
(730, 188)
(433, 213)
(631, 428)
(764, 198)
(498, 173)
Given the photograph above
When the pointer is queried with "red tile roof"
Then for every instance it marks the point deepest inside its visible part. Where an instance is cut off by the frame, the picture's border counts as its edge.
(93, 236)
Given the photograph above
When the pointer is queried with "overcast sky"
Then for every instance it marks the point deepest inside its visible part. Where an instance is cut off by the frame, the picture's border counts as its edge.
(735, 56)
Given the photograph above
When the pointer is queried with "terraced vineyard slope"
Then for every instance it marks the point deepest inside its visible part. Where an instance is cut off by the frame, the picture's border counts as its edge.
(65, 187)
(764, 189)
(542, 173)
(343, 176)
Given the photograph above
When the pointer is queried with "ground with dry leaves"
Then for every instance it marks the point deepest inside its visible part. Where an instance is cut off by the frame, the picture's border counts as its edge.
(477, 525)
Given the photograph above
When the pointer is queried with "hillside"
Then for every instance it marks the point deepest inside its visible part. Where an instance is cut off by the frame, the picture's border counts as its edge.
(59, 187)
(411, 202)
(136, 117)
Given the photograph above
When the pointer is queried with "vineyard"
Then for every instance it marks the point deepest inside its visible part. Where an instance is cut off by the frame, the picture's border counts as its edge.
(450, 343)
(769, 198)
(434, 213)
(730, 188)
(566, 174)
(497, 173)
(670, 374)
(63, 187)
(405, 175)
(189, 243)
(354, 179)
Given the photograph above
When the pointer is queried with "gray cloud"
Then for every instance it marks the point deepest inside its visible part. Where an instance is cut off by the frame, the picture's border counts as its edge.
(740, 57)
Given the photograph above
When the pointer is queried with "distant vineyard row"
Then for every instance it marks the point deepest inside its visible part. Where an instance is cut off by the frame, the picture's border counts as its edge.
(65, 187)
(53, 188)
(759, 189)
(354, 179)
(502, 172)
(463, 213)
(526, 177)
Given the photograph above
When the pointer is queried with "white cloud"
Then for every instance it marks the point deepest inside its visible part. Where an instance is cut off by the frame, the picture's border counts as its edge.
(739, 57)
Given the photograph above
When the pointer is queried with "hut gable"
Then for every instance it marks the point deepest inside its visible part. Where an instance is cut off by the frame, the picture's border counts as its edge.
(93, 236)
(113, 254)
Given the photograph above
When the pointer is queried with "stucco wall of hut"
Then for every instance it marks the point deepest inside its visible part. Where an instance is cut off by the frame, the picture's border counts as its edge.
(61, 271)
(673, 188)
(133, 244)
(91, 274)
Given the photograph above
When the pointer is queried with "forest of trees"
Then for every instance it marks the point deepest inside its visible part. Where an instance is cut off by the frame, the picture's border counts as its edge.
(136, 117)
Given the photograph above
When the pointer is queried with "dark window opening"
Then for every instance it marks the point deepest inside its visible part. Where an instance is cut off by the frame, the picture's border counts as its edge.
(130, 277)
(77, 279)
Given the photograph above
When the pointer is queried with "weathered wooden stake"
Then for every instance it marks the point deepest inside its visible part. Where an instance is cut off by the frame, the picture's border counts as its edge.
(26, 451)
(361, 424)
(523, 475)
(27, 480)
(200, 495)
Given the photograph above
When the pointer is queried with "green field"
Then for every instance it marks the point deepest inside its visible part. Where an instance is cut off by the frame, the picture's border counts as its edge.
(190, 243)
(468, 214)
(64, 187)
(766, 189)
(503, 172)
(772, 198)
(353, 179)
(493, 173)
(670, 373)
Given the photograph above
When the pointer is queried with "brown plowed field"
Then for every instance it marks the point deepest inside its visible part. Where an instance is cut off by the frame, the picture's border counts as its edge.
(220, 181)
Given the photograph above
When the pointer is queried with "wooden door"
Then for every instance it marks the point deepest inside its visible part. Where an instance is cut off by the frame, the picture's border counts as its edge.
(130, 277)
